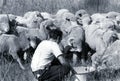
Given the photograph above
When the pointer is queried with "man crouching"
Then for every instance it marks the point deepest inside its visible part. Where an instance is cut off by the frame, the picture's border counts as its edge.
(42, 64)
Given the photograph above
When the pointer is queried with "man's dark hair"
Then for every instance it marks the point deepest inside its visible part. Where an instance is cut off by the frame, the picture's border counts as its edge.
(55, 34)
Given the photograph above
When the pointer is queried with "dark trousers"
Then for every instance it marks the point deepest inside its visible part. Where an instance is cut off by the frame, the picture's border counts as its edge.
(54, 73)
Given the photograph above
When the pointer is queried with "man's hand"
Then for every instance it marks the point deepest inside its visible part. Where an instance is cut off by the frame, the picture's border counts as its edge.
(65, 63)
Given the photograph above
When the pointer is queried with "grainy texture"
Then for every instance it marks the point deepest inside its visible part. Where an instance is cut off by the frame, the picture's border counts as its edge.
(10, 71)
(19, 7)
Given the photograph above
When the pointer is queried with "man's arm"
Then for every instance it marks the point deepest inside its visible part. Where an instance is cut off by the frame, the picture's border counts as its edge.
(61, 57)
(63, 61)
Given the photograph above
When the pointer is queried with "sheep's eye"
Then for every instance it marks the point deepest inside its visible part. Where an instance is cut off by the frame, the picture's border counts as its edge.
(118, 22)
(107, 17)
(67, 19)
(80, 15)
(77, 18)
(38, 15)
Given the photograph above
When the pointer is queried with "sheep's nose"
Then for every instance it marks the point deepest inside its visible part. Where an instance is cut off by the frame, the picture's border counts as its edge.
(74, 23)
(35, 21)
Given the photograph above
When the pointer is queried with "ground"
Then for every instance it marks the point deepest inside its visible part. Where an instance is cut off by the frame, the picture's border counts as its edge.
(10, 71)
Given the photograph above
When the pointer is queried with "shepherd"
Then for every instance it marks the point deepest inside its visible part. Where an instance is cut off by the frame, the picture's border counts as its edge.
(48, 62)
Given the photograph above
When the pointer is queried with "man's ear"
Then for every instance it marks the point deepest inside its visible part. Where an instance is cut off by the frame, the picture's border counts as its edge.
(59, 39)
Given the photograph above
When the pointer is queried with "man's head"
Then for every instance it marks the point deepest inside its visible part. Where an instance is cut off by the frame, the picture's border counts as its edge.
(56, 34)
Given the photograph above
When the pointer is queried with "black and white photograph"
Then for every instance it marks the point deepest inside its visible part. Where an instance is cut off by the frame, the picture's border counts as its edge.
(59, 40)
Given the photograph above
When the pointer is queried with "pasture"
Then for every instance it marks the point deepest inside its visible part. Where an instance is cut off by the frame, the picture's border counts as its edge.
(10, 71)
(9, 68)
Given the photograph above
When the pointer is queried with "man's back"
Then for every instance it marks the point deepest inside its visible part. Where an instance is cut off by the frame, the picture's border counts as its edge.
(43, 57)
(44, 54)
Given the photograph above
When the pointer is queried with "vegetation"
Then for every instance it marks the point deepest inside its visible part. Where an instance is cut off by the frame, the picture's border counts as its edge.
(19, 7)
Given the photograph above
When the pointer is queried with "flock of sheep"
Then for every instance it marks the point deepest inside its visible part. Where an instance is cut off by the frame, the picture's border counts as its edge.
(85, 33)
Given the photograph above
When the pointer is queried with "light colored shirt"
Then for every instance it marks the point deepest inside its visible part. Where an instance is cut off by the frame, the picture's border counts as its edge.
(44, 54)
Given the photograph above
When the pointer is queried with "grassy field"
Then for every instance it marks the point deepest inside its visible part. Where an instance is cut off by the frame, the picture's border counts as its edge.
(19, 7)
(10, 71)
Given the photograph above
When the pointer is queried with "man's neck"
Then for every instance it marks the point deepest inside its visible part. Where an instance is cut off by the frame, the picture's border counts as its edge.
(52, 40)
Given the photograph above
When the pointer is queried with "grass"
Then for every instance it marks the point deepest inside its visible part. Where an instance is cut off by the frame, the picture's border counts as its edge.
(10, 71)
(19, 7)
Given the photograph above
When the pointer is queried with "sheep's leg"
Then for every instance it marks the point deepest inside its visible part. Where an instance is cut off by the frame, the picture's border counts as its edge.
(82, 57)
(83, 53)
(74, 59)
(25, 56)
(22, 67)
(15, 56)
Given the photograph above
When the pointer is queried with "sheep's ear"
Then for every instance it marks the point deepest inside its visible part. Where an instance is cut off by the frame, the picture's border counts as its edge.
(70, 41)
(51, 27)
(39, 15)
(28, 39)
